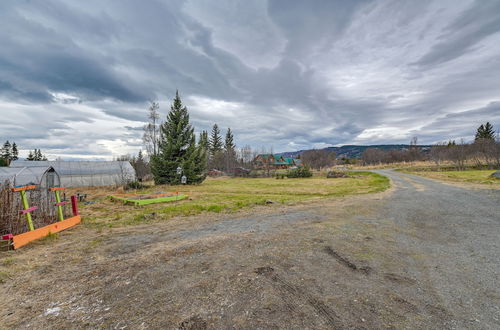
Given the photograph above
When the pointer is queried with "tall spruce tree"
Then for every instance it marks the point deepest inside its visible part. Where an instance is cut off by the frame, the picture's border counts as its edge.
(215, 140)
(30, 156)
(205, 145)
(485, 132)
(178, 148)
(203, 140)
(229, 141)
(216, 154)
(229, 150)
(7, 151)
(15, 152)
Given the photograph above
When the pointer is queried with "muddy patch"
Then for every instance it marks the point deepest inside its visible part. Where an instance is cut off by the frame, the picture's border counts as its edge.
(193, 323)
(264, 270)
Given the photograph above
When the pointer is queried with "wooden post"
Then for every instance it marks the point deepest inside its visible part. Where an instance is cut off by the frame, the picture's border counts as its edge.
(74, 205)
(27, 209)
(59, 204)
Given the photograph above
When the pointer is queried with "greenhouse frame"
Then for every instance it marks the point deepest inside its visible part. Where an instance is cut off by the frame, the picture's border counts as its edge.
(86, 173)
(41, 176)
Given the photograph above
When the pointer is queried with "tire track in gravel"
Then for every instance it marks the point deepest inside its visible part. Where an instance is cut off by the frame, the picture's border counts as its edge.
(287, 289)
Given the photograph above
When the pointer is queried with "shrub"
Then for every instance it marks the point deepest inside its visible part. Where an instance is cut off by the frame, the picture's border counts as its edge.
(336, 174)
(301, 172)
(135, 185)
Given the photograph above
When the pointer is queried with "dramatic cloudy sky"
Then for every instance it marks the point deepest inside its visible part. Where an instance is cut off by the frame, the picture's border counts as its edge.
(76, 77)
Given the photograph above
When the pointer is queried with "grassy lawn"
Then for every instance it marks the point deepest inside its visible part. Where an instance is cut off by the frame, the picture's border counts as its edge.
(224, 195)
(468, 176)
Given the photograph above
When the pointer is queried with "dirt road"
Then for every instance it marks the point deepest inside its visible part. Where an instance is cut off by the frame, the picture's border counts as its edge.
(422, 255)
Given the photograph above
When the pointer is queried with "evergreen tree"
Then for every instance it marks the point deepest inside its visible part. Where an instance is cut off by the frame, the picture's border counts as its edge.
(204, 144)
(229, 150)
(177, 148)
(485, 131)
(215, 140)
(140, 166)
(215, 146)
(7, 152)
(229, 142)
(15, 152)
(30, 156)
(203, 140)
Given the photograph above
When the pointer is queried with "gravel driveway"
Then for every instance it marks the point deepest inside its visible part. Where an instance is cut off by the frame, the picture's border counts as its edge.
(423, 255)
(458, 230)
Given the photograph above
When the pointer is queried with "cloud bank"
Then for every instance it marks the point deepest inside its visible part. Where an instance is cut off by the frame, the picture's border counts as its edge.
(76, 78)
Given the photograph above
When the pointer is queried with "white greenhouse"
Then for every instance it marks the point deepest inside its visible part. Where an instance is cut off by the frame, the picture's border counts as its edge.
(42, 176)
(86, 173)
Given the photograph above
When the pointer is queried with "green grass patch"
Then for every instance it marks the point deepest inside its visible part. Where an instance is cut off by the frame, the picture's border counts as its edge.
(230, 195)
(139, 202)
(4, 276)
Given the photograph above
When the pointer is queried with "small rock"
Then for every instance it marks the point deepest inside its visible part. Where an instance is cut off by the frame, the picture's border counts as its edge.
(150, 216)
(54, 311)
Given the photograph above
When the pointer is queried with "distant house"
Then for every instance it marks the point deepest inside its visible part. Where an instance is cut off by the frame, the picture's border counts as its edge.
(275, 162)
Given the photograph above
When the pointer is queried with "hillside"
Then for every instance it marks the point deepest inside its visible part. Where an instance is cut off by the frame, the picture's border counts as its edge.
(353, 151)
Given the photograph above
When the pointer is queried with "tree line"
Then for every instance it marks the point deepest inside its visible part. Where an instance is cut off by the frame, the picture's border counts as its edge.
(9, 153)
(484, 151)
(172, 144)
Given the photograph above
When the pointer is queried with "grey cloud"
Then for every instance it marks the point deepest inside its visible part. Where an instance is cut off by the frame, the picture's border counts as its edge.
(481, 20)
(310, 26)
(281, 73)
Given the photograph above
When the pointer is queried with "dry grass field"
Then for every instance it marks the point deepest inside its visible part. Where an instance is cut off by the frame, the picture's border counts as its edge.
(482, 177)
(225, 194)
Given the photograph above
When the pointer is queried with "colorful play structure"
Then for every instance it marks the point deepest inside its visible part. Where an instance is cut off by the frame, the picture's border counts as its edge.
(145, 199)
(16, 241)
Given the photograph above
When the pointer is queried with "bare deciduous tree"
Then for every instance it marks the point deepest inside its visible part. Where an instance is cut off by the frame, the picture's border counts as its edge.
(318, 158)
(152, 132)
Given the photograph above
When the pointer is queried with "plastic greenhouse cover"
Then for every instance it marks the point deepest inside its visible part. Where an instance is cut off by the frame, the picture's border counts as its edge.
(86, 173)
(80, 167)
(27, 175)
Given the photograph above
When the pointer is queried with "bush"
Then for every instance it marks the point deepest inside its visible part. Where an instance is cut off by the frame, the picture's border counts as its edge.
(135, 185)
(301, 172)
(336, 174)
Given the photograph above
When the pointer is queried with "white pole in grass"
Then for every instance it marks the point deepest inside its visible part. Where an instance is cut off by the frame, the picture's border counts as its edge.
(179, 172)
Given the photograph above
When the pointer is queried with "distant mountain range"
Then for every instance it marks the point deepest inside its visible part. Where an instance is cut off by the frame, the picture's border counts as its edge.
(352, 151)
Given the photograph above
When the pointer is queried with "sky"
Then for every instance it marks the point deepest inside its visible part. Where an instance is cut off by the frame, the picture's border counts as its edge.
(77, 77)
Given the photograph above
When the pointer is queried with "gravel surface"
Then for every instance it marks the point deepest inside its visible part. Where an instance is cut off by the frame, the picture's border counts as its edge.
(423, 255)
(458, 232)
